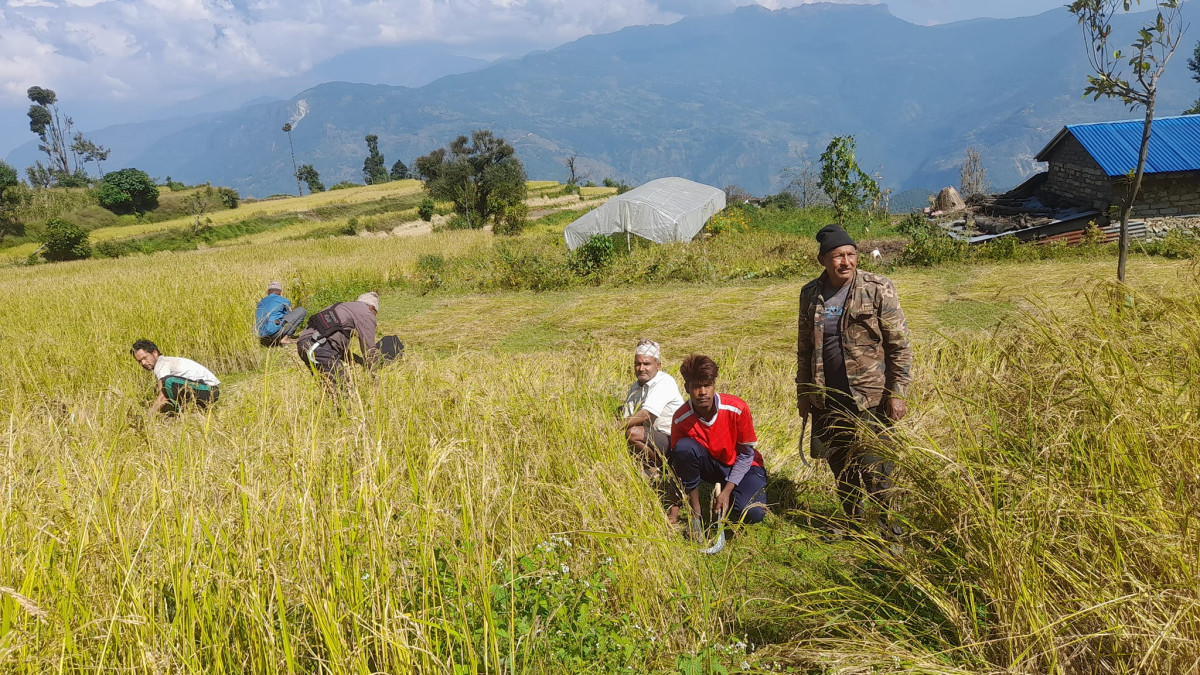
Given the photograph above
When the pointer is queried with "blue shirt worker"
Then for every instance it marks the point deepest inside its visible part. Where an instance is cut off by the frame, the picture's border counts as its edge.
(274, 319)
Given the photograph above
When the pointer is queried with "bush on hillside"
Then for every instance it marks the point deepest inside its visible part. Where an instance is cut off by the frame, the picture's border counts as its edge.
(516, 217)
(596, 254)
(343, 185)
(425, 210)
(229, 197)
(65, 241)
(128, 191)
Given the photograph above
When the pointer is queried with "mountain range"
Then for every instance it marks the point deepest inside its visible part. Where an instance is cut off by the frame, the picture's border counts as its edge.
(722, 99)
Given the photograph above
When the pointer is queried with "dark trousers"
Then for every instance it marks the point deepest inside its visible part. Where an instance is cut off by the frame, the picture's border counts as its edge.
(325, 359)
(181, 392)
(287, 326)
(692, 464)
(853, 441)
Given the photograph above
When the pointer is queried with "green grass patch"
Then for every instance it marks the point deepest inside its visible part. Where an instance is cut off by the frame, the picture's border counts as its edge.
(971, 314)
(186, 240)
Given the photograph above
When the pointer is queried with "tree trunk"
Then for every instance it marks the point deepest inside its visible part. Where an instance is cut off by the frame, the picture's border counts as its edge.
(1134, 187)
(295, 169)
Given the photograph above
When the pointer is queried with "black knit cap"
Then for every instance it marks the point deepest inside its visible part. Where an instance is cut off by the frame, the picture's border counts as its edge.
(833, 236)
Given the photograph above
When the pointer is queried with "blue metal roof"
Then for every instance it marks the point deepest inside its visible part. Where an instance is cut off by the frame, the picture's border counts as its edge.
(1174, 144)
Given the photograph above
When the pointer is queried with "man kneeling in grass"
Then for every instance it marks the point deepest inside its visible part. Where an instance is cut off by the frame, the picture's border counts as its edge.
(649, 404)
(713, 440)
(180, 381)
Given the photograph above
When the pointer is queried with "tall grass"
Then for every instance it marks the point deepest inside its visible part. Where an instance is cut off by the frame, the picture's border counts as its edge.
(473, 509)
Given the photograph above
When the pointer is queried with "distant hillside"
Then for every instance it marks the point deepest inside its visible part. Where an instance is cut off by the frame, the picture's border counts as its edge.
(719, 99)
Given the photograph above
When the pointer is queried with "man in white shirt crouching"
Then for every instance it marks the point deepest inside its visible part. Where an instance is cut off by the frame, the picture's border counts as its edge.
(649, 405)
(180, 381)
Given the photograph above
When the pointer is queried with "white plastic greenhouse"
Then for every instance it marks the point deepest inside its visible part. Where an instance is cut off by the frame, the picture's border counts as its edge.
(663, 210)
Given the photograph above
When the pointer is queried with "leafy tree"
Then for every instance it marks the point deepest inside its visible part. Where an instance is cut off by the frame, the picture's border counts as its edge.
(90, 152)
(1194, 66)
(54, 130)
(128, 191)
(9, 225)
(374, 166)
(480, 174)
(399, 171)
(308, 174)
(39, 175)
(65, 241)
(848, 187)
(1153, 47)
(621, 187)
(287, 129)
(972, 177)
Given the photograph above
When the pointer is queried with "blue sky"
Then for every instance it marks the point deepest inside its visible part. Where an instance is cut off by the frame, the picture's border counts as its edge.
(128, 59)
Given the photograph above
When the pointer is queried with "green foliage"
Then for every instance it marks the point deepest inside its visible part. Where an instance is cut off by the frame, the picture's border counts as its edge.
(399, 171)
(848, 187)
(621, 187)
(128, 191)
(9, 202)
(174, 185)
(229, 197)
(344, 185)
(930, 244)
(429, 272)
(308, 173)
(593, 256)
(461, 222)
(425, 210)
(374, 167)
(784, 201)
(481, 175)
(516, 217)
(65, 241)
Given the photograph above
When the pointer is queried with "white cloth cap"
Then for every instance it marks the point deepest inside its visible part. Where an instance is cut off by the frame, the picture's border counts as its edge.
(649, 348)
(370, 299)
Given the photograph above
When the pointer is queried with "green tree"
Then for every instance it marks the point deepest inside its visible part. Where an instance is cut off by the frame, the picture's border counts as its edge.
(287, 129)
(308, 174)
(128, 191)
(849, 188)
(1194, 66)
(426, 209)
(9, 225)
(88, 151)
(374, 167)
(65, 241)
(1153, 47)
(481, 175)
(55, 132)
(399, 171)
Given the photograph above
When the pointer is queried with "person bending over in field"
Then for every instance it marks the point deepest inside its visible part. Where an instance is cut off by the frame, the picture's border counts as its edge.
(275, 321)
(180, 381)
(325, 345)
(713, 441)
(853, 367)
(649, 404)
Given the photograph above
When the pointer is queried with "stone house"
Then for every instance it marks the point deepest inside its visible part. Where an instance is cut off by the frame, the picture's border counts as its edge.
(1089, 165)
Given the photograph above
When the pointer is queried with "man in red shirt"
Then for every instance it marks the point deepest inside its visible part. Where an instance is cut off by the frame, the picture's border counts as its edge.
(712, 440)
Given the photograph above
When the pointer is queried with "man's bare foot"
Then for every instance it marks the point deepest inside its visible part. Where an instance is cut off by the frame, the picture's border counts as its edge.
(287, 341)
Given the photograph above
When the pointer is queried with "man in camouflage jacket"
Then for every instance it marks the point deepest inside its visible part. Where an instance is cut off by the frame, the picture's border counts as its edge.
(853, 368)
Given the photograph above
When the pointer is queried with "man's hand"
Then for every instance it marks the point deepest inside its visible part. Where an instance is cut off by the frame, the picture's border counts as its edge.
(723, 499)
(897, 408)
(803, 406)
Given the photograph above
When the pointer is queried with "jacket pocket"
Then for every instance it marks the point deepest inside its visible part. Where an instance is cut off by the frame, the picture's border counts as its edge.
(862, 328)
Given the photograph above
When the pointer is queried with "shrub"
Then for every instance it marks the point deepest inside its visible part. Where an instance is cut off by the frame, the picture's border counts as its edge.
(229, 197)
(343, 185)
(65, 241)
(516, 217)
(732, 219)
(461, 222)
(128, 191)
(425, 210)
(596, 254)
(429, 272)
(929, 244)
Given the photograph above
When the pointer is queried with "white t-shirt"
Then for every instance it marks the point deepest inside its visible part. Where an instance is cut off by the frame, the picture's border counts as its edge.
(660, 397)
(177, 366)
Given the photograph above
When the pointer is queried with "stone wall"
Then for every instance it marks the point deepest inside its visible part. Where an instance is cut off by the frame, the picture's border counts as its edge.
(1074, 176)
(1164, 194)
(1158, 228)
